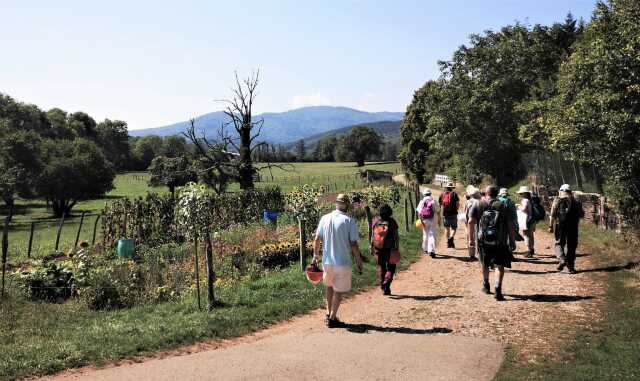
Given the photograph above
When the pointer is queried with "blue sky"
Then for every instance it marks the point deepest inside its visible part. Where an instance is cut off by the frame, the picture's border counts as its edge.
(153, 63)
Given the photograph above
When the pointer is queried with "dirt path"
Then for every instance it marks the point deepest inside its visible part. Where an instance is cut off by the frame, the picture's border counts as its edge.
(437, 325)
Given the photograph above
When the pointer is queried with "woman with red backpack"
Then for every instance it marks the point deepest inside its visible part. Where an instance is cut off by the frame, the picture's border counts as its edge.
(385, 245)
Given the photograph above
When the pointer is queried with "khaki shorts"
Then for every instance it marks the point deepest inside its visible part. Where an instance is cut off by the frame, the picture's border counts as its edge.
(337, 277)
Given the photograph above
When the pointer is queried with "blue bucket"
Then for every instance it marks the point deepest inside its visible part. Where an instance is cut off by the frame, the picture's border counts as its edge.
(270, 215)
(126, 248)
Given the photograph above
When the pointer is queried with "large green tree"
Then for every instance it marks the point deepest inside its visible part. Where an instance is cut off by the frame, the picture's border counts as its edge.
(358, 144)
(325, 149)
(73, 171)
(113, 138)
(596, 115)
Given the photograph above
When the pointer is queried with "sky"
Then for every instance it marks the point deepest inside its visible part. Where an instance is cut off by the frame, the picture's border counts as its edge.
(153, 63)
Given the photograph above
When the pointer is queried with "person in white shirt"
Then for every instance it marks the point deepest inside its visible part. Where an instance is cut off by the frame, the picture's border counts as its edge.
(428, 213)
(525, 220)
(474, 199)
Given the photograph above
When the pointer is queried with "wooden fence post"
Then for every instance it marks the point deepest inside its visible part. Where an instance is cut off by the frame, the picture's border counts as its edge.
(406, 215)
(5, 250)
(31, 230)
(367, 212)
(95, 227)
(211, 275)
(59, 231)
(195, 252)
(413, 211)
(79, 230)
(303, 243)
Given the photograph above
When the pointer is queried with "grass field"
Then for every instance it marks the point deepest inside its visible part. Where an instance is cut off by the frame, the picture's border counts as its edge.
(41, 338)
(336, 176)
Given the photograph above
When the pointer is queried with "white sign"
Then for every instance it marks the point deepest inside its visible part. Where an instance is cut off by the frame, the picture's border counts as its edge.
(441, 179)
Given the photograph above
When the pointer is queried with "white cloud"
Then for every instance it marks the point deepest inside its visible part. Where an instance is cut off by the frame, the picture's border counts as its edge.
(317, 99)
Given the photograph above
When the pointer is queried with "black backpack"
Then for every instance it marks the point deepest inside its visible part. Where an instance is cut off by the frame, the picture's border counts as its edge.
(491, 224)
(564, 211)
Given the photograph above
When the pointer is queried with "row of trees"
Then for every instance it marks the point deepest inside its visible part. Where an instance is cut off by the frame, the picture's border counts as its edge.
(359, 144)
(570, 88)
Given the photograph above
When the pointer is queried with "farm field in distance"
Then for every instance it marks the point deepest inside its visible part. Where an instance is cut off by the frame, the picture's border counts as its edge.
(338, 176)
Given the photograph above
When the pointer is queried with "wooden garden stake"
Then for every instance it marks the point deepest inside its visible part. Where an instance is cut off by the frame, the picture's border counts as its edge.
(79, 230)
(59, 231)
(195, 252)
(95, 227)
(5, 249)
(303, 243)
(31, 230)
(211, 275)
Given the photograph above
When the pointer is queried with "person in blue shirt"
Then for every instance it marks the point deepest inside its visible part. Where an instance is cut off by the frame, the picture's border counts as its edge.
(337, 235)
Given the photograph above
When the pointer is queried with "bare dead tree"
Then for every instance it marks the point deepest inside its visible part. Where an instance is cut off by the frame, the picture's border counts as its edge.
(230, 156)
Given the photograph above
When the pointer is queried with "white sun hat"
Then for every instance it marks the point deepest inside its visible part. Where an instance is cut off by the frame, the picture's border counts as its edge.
(426, 192)
(524, 189)
(565, 188)
(504, 192)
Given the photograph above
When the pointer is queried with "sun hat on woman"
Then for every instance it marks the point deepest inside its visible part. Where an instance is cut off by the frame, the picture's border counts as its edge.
(524, 189)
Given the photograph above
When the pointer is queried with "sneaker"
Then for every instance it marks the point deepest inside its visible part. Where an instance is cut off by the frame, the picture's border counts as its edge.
(334, 323)
(432, 254)
(453, 245)
(528, 255)
(485, 288)
(449, 243)
(387, 291)
(561, 266)
(499, 296)
(572, 271)
(426, 252)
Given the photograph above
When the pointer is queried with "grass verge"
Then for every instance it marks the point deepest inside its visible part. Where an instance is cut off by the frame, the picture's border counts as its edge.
(611, 350)
(43, 338)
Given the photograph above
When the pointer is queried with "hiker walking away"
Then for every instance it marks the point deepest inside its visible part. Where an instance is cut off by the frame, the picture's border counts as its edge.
(338, 235)
(428, 213)
(526, 220)
(385, 245)
(492, 223)
(474, 198)
(565, 216)
(449, 203)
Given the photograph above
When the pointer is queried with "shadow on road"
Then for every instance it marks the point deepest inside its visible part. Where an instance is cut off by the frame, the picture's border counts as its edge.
(461, 259)
(609, 269)
(531, 272)
(425, 298)
(365, 328)
(550, 298)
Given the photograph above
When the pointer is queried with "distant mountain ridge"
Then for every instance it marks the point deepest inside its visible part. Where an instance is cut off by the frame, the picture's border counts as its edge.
(285, 126)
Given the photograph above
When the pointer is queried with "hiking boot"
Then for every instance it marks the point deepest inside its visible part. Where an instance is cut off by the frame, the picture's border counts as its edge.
(449, 243)
(528, 255)
(572, 270)
(499, 296)
(561, 266)
(432, 254)
(453, 245)
(387, 291)
(485, 288)
(334, 323)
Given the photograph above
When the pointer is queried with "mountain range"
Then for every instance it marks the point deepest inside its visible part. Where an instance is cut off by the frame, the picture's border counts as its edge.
(283, 127)
(388, 130)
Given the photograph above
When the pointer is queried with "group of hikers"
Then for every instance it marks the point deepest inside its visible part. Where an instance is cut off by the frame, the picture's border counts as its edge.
(494, 223)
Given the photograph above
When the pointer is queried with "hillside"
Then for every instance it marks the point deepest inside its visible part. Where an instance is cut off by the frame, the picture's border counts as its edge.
(389, 130)
(285, 126)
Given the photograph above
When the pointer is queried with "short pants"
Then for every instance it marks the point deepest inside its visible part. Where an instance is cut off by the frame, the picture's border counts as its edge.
(337, 277)
(451, 221)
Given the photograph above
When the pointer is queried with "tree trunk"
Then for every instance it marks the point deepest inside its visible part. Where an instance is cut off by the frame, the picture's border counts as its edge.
(10, 203)
(246, 164)
(577, 176)
(62, 207)
(360, 162)
(172, 189)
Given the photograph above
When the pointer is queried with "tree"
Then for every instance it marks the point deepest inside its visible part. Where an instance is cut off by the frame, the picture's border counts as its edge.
(73, 171)
(20, 164)
(390, 151)
(145, 149)
(359, 143)
(171, 172)
(174, 146)
(325, 149)
(596, 115)
(113, 138)
(83, 125)
(301, 150)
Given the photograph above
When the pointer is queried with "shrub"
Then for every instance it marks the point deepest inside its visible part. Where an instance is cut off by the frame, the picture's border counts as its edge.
(281, 254)
(47, 280)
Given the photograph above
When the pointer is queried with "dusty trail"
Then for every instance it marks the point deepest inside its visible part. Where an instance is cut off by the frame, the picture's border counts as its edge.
(437, 325)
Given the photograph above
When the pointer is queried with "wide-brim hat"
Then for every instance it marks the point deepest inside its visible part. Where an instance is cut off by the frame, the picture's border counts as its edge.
(426, 192)
(450, 185)
(524, 189)
(314, 274)
(565, 188)
(472, 190)
(504, 192)
(343, 199)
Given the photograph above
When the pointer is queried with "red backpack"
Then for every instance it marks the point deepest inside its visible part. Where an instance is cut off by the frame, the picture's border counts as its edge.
(379, 234)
